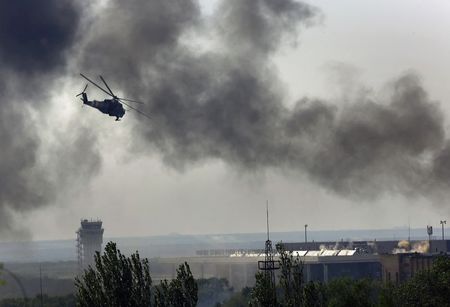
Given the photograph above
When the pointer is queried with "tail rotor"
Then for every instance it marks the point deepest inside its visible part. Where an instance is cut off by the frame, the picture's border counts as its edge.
(84, 90)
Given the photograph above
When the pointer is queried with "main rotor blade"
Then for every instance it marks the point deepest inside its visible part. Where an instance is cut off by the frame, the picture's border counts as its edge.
(107, 86)
(136, 110)
(130, 100)
(96, 85)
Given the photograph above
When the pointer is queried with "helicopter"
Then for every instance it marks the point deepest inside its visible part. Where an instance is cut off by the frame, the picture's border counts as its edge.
(112, 107)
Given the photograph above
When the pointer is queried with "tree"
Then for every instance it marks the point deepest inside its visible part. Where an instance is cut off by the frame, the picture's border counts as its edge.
(119, 281)
(291, 283)
(313, 294)
(181, 291)
(264, 292)
(163, 294)
(291, 278)
(2, 282)
(427, 288)
(386, 296)
(115, 281)
(349, 292)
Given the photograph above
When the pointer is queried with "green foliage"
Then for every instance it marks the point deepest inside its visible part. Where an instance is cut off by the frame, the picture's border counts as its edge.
(162, 294)
(119, 281)
(184, 287)
(115, 281)
(291, 278)
(182, 291)
(314, 294)
(264, 292)
(387, 294)
(427, 288)
(2, 282)
(344, 292)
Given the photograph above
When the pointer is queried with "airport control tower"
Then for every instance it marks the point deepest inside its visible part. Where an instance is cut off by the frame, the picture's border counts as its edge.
(89, 240)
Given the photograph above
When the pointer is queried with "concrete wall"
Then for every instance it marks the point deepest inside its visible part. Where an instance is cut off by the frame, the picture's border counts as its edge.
(398, 268)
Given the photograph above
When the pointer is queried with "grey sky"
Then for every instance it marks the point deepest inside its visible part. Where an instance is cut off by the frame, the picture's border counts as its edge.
(380, 38)
(359, 45)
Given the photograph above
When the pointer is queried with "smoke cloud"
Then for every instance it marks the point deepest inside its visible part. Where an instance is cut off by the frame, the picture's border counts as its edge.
(35, 41)
(213, 93)
(223, 99)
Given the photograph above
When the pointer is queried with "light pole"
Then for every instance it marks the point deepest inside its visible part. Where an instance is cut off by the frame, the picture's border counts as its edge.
(430, 232)
(306, 237)
(442, 223)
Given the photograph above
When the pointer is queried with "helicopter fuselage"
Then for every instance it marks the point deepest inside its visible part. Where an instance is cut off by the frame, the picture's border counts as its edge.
(112, 107)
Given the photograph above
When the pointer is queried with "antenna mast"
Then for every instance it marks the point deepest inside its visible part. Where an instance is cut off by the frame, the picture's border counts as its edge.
(267, 216)
(268, 265)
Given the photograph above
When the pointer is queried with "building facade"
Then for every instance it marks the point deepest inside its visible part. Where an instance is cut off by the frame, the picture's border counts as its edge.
(89, 241)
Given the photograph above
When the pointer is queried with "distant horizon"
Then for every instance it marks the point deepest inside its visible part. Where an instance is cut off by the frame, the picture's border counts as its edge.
(178, 245)
(414, 231)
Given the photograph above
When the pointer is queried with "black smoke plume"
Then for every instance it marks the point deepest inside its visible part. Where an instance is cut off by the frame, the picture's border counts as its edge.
(212, 91)
(222, 99)
(36, 38)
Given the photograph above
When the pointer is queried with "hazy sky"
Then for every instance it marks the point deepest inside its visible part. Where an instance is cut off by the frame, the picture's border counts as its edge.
(352, 49)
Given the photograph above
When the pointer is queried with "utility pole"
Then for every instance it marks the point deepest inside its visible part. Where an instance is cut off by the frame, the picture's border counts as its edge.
(409, 232)
(306, 236)
(40, 284)
(442, 223)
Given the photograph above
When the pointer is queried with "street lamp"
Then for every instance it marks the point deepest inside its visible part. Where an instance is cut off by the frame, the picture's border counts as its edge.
(306, 237)
(430, 232)
(442, 223)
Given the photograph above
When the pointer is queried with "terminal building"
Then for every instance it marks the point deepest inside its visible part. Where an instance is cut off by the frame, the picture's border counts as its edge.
(240, 269)
(390, 261)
